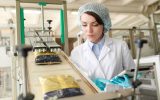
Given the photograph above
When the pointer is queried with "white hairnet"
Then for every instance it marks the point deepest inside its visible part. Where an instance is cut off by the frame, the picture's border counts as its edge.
(100, 10)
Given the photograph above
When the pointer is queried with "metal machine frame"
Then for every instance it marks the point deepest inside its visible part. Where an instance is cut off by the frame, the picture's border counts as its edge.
(156, 61)
(56, 2)
(18, 33)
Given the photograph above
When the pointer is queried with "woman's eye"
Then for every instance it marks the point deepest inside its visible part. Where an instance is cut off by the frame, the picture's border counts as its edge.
(95, 24)
(84, 25)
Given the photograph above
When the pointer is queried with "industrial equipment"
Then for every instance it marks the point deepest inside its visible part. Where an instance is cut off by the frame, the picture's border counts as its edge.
(65, 66)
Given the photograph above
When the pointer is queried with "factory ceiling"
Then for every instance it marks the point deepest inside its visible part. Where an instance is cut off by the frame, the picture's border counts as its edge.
(124, 14)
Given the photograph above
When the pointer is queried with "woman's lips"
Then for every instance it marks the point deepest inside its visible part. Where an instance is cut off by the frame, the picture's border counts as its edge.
(91, 35)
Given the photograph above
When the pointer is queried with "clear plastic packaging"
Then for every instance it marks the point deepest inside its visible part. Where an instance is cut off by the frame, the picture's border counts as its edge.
(47, 58)
(59, 86)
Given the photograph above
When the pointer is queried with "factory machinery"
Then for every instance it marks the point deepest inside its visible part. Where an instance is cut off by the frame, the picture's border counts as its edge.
(148, 72)
(48, 64)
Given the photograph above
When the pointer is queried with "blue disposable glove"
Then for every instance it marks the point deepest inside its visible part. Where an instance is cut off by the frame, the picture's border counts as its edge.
(123, 81)
(100, 84)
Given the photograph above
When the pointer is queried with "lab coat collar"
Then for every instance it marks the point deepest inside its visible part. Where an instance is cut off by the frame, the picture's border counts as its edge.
(100, 43)
(96, 65)
(90, 55)
(88, 49)
(106, 48)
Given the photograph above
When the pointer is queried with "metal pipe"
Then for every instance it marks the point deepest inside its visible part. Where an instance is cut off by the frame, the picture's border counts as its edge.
(137, 64)
(136, 71)
(130, 29)
(24, 76)
(131, 36)
(18, 29)
(66, 46)
(13, 68)
(42, 14)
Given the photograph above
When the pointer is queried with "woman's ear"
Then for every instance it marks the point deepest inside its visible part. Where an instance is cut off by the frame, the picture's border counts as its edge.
(103, 29)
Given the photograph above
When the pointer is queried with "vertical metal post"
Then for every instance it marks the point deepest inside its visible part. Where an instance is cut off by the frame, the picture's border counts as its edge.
(42, 14)
(152, 37)
(133, 50)
(137, 64)
(66, 47)
(156, 73)
(136, 68)
(25, 95)
(13, 67)
(25, 76)
(18, 24)
(154, 34)
(22, 32)
(16, 40)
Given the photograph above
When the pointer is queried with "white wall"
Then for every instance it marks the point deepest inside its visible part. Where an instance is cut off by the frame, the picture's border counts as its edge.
(5, 60)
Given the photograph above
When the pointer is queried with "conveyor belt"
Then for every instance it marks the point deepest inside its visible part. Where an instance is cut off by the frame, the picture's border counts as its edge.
(65, 67)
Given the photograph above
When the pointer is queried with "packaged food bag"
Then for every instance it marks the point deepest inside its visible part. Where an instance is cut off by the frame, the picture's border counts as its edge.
(59, 86)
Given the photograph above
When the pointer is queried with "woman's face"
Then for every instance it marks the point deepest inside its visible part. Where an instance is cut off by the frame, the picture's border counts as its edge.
(92, 29)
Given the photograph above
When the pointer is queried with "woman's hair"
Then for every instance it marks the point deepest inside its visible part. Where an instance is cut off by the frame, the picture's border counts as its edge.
(98, 19)
(100, 10)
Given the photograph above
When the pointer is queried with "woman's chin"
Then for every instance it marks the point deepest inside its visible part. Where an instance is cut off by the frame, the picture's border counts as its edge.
(93, 41)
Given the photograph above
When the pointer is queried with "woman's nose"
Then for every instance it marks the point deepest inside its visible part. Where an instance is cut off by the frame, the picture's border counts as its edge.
(90, 29)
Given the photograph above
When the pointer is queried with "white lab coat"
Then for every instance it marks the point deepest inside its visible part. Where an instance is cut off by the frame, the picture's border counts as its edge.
(113, 59)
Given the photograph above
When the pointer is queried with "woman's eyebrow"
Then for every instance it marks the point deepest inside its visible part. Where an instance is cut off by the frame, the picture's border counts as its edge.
(91, 22)
(95, 22)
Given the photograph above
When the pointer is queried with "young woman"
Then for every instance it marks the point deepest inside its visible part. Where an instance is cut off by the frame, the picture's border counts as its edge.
(100, 56)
